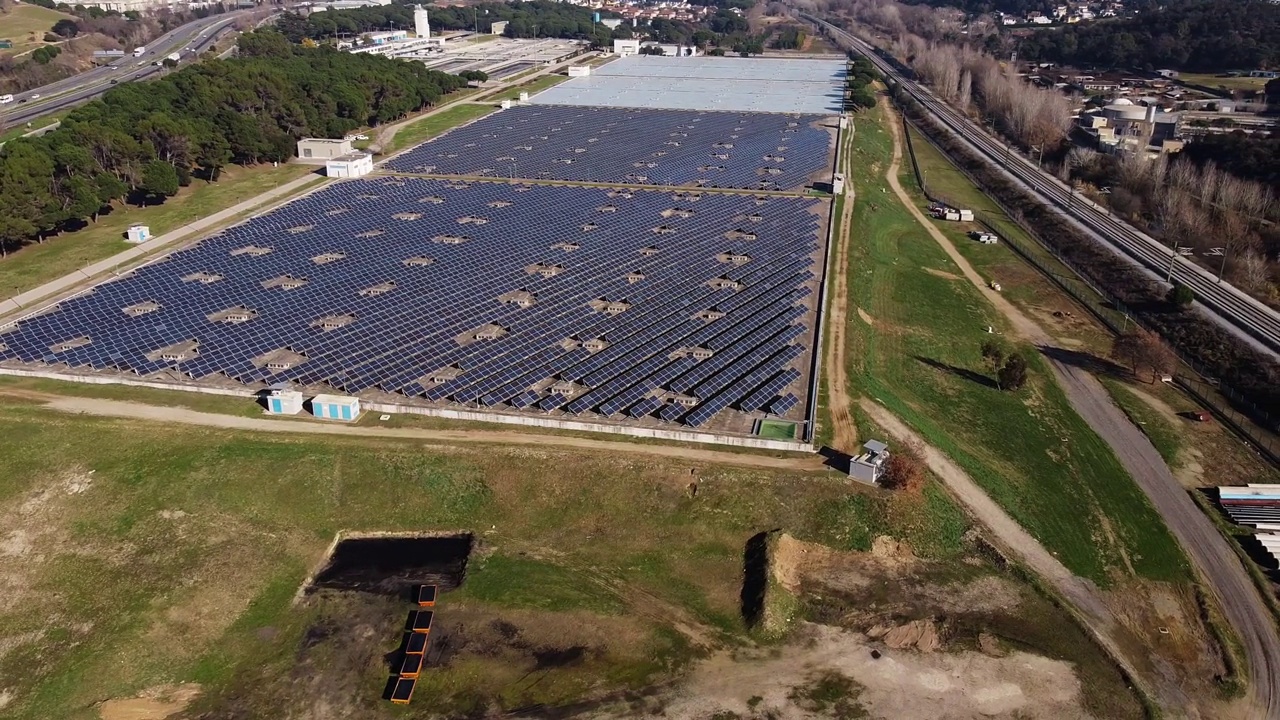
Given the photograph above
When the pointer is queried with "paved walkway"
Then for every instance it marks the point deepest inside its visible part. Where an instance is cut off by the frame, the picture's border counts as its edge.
(154, 245)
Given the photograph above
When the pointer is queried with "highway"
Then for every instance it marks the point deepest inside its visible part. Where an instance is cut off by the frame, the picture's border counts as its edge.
(188, 40)
(1232, 309)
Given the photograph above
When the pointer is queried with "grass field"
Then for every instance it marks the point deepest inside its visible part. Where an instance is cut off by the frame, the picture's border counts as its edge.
(433, 125)
(532, 87)
(39, 263)
(178, 550)
(26, 25)
(917, 351)
(1223, 81)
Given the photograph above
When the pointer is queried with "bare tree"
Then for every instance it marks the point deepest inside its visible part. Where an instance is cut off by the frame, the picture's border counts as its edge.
(1141, 349)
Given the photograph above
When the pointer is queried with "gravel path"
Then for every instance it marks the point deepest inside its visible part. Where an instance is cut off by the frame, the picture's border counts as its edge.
(1217, 564)
(169, 414)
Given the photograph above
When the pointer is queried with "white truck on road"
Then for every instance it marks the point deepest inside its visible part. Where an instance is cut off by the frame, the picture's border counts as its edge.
(139, 51)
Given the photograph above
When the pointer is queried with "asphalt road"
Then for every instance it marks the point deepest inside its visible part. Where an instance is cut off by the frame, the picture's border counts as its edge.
(1232, 309)
(188, 40)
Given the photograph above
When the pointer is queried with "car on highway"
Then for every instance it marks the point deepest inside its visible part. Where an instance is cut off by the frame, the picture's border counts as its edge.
(35, 96)
(114, 81)
(6, 99)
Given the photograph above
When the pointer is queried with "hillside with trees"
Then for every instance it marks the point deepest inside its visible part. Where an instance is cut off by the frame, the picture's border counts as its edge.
(537, 19)
(142, 141)
(1190, 35)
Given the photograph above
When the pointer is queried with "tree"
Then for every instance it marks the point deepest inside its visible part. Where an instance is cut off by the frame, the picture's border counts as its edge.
(650, 50)
(993, 353)
(1180, 296)
(66, 28)
(159, 180)
(1142, 349)
(904, 470)
(1014, 373)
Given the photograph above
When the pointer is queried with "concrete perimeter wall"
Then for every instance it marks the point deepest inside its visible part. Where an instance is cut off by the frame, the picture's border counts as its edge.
(448, 413)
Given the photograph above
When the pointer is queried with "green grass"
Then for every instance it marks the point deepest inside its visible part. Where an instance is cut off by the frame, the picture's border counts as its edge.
(1222, 81)
(532, 87)
(177, 557)
(777, 430)
(433, 125)
(1028, 450)
(1023, 285)
(39, 263)
(26, 26)
(522, 582)
(1163, 435)
(18, 131)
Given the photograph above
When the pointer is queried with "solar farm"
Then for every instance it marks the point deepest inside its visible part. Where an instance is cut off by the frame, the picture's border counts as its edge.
(651, 299)
(758, 151)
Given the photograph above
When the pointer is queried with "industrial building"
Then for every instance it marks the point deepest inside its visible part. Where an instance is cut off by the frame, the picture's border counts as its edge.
(351, 165)
(281, 401)
(869, 465)
(1124, 127)
(320, 150)
(335, 407)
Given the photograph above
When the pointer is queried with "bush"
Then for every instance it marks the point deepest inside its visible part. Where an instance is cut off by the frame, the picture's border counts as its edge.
(1014, 374)
(1180, 296)
(904, 470)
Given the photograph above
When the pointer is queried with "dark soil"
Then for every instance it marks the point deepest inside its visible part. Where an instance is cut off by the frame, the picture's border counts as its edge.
(396, 565)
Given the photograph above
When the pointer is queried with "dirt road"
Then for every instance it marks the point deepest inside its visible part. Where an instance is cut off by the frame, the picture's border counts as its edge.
(163, 414)
(1216, 563)
(844, 434)
(1081, 594)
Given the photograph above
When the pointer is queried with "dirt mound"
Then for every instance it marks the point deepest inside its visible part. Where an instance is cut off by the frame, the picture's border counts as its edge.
(893, 552)
(154, 703)
(920, 634)
(796, 562)
(866, 317)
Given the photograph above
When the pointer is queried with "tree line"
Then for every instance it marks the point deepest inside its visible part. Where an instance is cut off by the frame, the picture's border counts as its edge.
(1191, 35)
(537, 19)
(141, 141)
(1218, 353)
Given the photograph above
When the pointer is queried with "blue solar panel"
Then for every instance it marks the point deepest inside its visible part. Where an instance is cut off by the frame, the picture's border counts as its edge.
(488, 295)
(648, 147)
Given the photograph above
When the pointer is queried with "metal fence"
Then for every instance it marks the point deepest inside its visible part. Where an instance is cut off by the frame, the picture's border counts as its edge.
(1255, 425)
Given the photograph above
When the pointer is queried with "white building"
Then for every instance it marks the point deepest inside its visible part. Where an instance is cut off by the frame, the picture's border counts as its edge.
(346, 4)
(624, 48)
(421, 23)
(318, 150)
(869, 466)
(498, 27)
(356, 164)
(139, 233)
(335, 407)
(284, 402)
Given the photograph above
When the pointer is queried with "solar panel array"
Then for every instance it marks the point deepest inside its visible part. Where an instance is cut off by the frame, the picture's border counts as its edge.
(755, 151)
(626, 303)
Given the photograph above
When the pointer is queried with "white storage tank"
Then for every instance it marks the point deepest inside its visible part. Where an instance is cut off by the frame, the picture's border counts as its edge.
(335, 407)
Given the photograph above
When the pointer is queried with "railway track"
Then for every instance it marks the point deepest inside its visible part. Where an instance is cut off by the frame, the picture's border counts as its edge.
(1229, 307)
